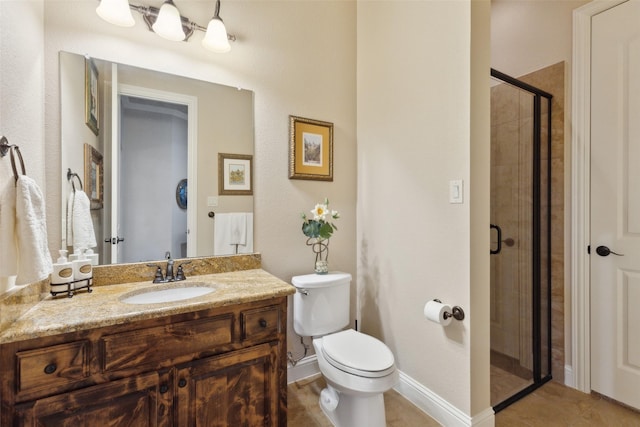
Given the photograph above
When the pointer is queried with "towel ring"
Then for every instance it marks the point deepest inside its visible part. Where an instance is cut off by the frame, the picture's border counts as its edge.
(14, 149)
(70, 176)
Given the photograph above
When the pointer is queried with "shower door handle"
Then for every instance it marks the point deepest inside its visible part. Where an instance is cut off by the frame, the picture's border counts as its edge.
(499, 231)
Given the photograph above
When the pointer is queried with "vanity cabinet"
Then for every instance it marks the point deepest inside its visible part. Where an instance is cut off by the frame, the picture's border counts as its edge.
(224, 366)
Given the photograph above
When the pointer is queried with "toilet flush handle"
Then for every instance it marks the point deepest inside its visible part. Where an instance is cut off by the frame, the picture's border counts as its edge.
(303, 291)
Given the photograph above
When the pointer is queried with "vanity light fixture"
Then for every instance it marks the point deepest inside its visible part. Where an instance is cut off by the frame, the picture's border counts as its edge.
(168, 23)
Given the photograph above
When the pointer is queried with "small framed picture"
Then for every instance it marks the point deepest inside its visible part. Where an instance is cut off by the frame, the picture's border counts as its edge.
(93, 176)
(235, 174)
(91, 96)
(310, 149)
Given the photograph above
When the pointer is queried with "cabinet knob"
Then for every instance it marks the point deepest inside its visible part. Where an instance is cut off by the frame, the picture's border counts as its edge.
(263, 323)
(182, 383)
(164, 388)
(50, 369)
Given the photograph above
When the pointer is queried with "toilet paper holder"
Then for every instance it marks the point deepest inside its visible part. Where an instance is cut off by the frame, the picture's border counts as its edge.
(456, 311)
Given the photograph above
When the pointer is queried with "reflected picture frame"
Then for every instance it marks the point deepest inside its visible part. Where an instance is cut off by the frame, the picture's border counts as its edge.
(310, 149)
(91, 96)
(182, 193)
(94, 176)
(235, 174)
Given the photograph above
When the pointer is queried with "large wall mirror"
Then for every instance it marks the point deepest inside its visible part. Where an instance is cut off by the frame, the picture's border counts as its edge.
(165, 162)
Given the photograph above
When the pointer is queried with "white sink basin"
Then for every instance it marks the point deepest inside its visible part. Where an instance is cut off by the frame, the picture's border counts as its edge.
(172, 294)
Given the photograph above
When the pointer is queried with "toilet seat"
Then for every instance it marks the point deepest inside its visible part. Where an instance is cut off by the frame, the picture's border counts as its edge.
(358, 354)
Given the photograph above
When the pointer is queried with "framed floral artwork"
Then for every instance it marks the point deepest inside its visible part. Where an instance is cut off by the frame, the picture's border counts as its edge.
(235, 174)
(91, 96)
(310, 149)
(93, 176)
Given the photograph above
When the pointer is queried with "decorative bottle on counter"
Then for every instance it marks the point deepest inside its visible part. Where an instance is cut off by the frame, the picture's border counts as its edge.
(82, 268)
(62, 274)
(91, 256)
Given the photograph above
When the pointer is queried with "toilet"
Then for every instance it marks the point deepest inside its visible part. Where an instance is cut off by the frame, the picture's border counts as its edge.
(358, 368)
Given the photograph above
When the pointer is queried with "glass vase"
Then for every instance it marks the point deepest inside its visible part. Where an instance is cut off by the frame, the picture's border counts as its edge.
(321, 248)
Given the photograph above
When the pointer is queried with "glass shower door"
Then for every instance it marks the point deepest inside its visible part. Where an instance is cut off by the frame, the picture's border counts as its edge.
(519, 246)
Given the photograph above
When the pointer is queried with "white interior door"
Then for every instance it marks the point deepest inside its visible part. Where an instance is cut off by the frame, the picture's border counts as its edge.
(118, 232)
(615, 203)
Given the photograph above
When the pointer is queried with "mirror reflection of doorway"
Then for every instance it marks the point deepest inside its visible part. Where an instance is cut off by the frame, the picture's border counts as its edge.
(153, 161)
(520, 239)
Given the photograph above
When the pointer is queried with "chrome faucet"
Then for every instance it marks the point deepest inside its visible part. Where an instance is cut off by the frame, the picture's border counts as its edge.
(169, 276)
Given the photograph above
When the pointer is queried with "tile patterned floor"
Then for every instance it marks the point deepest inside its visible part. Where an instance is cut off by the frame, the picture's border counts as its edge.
(551, 405)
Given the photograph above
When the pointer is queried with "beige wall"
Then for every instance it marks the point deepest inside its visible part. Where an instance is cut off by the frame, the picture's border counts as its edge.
(422, 121)
(21, 84)
(527, 35)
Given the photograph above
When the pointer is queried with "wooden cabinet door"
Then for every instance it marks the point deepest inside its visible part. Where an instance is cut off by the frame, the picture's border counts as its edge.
(238, 389)
(140, 401)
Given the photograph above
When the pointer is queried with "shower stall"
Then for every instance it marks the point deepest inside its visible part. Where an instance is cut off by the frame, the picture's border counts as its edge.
(520, 239)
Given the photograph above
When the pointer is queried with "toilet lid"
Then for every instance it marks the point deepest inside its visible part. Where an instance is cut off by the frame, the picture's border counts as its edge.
(358, 354)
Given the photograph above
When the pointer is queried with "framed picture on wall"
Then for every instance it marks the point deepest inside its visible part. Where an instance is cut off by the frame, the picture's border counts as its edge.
(310, 149)
(91, 96)
(93, 176)
(235, 177)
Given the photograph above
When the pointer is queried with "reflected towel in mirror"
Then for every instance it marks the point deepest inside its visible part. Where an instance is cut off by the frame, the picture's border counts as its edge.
(80, 232)
(233, 233)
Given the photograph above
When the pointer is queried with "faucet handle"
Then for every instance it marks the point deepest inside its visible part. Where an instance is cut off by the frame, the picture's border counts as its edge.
(180, 273)
(158, 278)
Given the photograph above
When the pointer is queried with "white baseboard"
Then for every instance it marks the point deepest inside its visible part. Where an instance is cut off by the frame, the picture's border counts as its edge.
(569, 379)
(438, 408)
(306, 367)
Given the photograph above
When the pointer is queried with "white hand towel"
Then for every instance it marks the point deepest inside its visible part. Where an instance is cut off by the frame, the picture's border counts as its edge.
(82, 234)
(8, 244)
(222, 231)
(34, 259)
(221, 238)
(247, 248)
(238, 228)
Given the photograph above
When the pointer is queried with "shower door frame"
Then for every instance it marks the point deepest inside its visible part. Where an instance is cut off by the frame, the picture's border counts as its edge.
(537, 279)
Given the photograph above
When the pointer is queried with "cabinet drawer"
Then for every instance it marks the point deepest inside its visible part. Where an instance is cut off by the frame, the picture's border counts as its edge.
(164, 343)
(260, 323)
(46, 369)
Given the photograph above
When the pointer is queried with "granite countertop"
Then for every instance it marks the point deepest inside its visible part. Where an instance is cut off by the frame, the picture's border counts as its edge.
(103, 306)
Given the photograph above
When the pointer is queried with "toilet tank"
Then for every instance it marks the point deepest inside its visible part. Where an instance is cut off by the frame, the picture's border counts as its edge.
(321, 303)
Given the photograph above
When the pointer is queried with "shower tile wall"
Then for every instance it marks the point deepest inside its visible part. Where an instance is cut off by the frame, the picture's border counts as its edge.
(551, 79)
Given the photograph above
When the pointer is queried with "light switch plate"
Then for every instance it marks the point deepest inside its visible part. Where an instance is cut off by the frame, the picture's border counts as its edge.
(212, 201)
(456, 191)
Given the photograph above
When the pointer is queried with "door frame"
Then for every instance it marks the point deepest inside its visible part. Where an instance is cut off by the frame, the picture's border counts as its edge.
(581, 191)
(191, 102)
